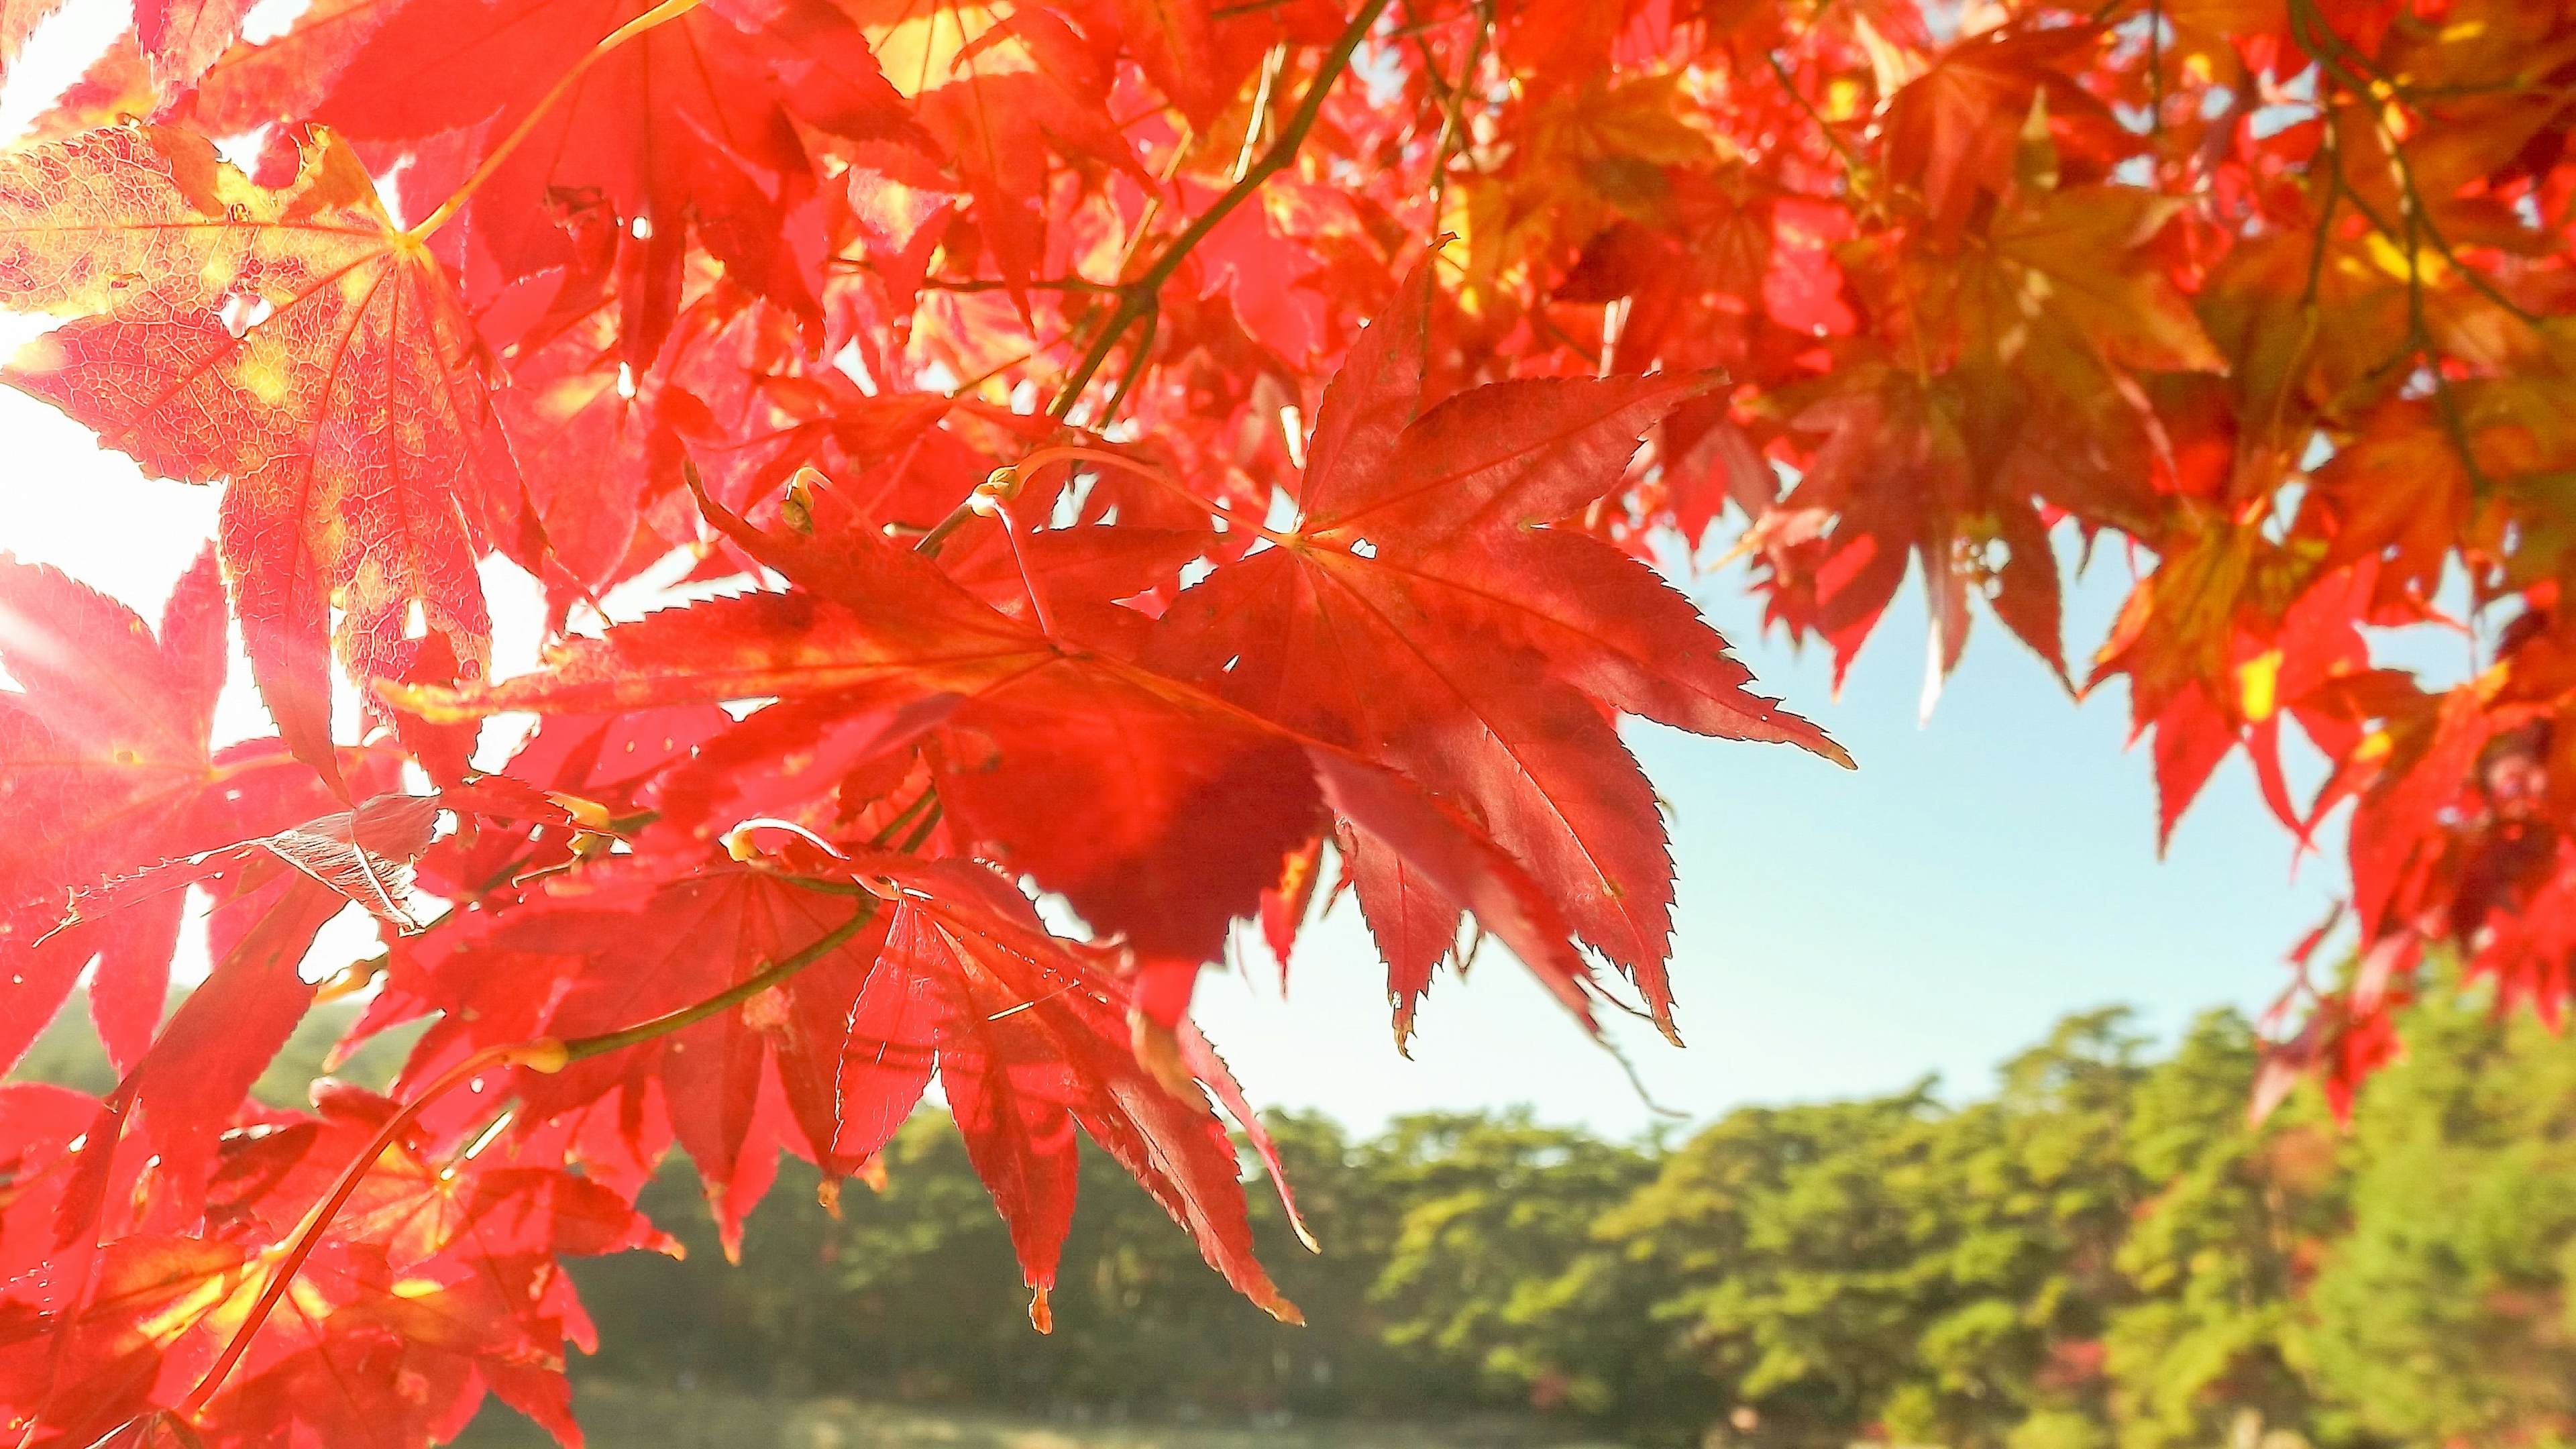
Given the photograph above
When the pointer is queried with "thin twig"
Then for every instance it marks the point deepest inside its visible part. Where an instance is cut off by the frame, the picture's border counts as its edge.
(2336, 59)
(996, 284)
(1138, 358)
(1141, 294)
(1851, 163)
(1257, 124)
(1453, 112)
(582, 1048)
(2156, 68)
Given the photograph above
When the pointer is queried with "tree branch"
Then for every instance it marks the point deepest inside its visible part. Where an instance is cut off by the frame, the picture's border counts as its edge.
(1143, 293)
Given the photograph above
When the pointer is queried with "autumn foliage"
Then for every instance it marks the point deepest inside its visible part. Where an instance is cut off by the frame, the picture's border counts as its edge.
(1170, 461)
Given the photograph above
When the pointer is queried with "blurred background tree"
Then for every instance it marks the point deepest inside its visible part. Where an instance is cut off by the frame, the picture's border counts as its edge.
(2102, 1254)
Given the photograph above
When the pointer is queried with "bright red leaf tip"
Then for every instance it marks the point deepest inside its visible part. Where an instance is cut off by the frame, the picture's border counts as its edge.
(1423, 613)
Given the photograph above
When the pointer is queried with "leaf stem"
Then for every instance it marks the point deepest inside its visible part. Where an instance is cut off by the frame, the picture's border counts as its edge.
(662, 14)
(1004, 483)
(546, 1054)
(923, 801)
(996, 284)
(1788, 82)
(1453, 109)
(1143, 293)
(1138, 359)
(309, 1232)
(582, 1048)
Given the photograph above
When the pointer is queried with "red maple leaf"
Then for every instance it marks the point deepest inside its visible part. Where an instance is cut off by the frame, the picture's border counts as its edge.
(292, 342)
(104, 765)
(1424, 613)
(688, 131)
(436, 1282)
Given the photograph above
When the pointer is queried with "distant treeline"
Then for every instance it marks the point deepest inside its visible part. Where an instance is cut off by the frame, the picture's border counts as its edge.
(2101, 1254)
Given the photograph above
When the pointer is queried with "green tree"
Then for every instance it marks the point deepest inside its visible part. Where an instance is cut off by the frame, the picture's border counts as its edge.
(2443, 1314)
(1785, 1244)
(1490, 1215)
(2215, 1257)
(1943, 1275)
(2037, 1195)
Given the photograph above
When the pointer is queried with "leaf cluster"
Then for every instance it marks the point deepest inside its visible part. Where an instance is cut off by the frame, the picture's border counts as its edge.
(959, 477)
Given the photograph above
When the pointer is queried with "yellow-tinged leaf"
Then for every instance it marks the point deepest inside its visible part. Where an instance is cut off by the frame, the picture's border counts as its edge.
(2259, 683)
(2079, 240)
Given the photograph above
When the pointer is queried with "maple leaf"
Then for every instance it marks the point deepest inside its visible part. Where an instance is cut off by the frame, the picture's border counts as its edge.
(42, 1127)
(592, 444)
(118, 85)
(468, 1248)
(199, 1069)
(1422, 613)
(104, 761)
(1191, 806)
(1200, 56)
(1891, 475)
(653, 941)
(181, 38)
(2081, 249)
(1954, 131)
(107, 748)
(1029, 1037)
(1031, 1043)
(688, 129)
(2301, 669)
(81, 1358)
(294, 344)
(997, 88)
(446, 1268)
(887, 634)
(363, 855)
(18, 20)
(2401, 489)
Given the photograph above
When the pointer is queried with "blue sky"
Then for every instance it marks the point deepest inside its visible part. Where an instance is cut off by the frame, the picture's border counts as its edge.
(1842, 933)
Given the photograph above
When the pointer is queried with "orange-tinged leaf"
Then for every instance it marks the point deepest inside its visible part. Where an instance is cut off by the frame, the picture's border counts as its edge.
(1952, 133)
(2399, 491)
(18, 20)
(999, 88)
(2082, 242)
(80, 1355)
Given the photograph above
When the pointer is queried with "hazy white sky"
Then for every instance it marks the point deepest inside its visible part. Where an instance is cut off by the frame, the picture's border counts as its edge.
(1838, 932)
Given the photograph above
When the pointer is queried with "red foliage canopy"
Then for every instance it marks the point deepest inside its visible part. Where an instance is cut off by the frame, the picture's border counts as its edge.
(963, 357)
